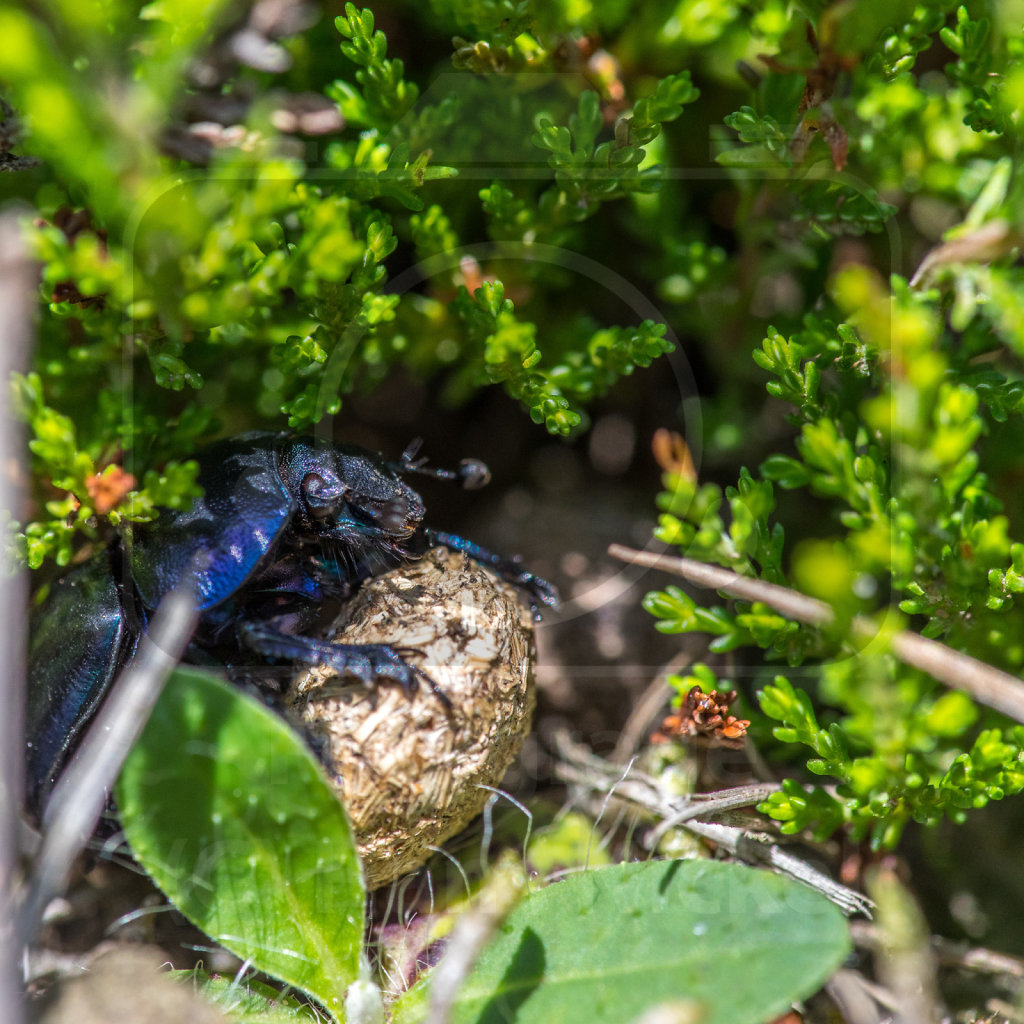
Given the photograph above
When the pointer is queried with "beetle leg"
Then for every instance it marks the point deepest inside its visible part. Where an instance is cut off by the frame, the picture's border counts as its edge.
(368, 663)
(402, 652)
(538, 591)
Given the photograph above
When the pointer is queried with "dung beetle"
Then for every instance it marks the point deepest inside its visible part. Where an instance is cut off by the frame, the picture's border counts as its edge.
(286, 529)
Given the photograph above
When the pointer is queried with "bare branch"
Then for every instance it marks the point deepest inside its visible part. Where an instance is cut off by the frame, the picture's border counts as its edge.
(790, 602)
(904, 961)
(987, 685)
(645, 711)
(857, 998)
(588, 772)
(473, 929)
(79, 797)
(962, 955)
(17, 281)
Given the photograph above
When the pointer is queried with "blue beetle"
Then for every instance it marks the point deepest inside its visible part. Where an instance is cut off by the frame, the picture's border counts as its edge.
(287, 528)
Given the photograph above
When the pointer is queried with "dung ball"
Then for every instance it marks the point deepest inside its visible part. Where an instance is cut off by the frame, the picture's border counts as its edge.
(410, 770)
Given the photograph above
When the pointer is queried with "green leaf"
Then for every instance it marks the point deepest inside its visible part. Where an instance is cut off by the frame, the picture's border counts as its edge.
(737, 944)
(786, 471)
(748, 156)
(248, 1001)
(230, 814)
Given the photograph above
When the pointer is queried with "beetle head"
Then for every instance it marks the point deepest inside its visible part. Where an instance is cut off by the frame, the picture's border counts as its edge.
(345, 490)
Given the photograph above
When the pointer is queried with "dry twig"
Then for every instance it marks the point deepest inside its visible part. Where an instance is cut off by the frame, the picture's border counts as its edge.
(960, 955)
(987, 685)
(79, 797)
(646, 710)
(17, 281)
(857, 998)
(591, 774)
(470, 935)
(903, 960)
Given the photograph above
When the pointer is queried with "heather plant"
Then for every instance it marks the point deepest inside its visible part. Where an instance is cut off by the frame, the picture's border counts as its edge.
(244, 217)
(251, 287)
(901, 391)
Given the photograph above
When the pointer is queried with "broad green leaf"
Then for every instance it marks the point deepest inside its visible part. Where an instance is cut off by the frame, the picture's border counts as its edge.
(734, 944)
(233, 819)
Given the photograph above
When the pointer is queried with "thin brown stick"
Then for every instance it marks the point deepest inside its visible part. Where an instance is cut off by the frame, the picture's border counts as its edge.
(469, 936)
(857, 998)
(645, 711)
(595, 782)
(790, 602)
(962, 955)
(987, 685)
(78, 798)
(17, 283)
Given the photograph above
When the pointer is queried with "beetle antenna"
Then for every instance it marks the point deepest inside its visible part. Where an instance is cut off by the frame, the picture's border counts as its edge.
(412, 450)
(471, 473)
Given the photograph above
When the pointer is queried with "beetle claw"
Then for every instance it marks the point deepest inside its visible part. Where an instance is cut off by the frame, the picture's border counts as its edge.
(420, 674)
(539, 593)
(370, 663)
